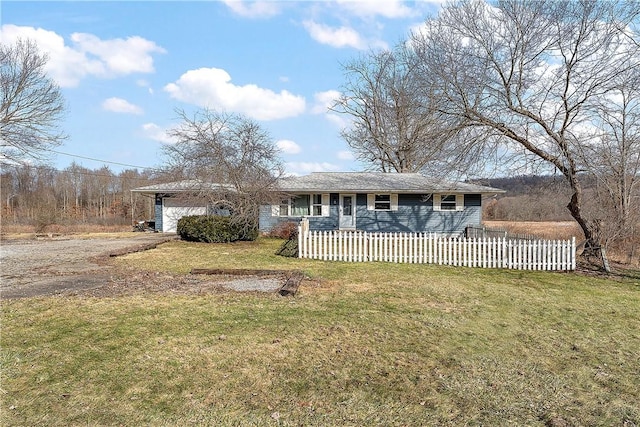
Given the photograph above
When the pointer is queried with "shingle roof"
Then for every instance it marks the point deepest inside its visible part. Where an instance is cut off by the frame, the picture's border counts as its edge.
(340, 182)
(369, 182)
(189, 185)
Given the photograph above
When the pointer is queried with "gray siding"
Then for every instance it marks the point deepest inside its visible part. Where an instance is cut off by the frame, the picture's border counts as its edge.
(415, 214)
(267, 222)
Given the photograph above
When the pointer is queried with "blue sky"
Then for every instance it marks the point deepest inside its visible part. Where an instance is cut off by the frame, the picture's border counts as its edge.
(125, 67)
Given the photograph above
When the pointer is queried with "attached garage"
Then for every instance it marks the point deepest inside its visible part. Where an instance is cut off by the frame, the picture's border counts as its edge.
(177, 199)
(175, 208)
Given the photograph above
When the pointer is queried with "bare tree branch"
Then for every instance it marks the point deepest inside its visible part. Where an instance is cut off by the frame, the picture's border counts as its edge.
(232, 162)
(32, 105)
(396, 123)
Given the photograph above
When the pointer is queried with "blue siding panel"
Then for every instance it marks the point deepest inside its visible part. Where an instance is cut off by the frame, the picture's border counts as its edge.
(415, 214)
(268, 222)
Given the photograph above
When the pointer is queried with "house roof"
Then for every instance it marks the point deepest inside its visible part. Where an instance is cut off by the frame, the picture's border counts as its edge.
(370, 182)
(340, 182)
(186, 186)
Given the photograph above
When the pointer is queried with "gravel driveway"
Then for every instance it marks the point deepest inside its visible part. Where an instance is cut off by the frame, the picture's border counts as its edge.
(72, 266)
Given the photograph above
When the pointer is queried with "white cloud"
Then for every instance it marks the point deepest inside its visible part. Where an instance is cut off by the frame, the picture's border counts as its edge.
(340, 121)
(324, 100)
(345, 155)
(157, 133)
(88, 55)
(145, 84)
(212, 87)
(386, 8)
(119, 105)
(288, 147)
(336, 37)
(297, 168)
(253, 9)
(120, 56)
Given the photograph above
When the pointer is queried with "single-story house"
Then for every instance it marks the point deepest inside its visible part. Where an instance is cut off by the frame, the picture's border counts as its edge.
(368, 201)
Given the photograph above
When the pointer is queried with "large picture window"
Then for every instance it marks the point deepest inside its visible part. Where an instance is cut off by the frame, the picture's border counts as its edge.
(300, 206)
(304, 205)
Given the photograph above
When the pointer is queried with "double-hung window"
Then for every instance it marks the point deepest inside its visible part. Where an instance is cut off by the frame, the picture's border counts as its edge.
(284, 208)
(448, 202)
(316, 205)
(382, 202)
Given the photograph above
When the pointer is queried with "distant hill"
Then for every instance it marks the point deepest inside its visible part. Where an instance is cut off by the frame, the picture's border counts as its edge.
(528, 198)
(525, 184)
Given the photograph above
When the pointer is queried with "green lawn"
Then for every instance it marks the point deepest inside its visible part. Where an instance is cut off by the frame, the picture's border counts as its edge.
(360, 344)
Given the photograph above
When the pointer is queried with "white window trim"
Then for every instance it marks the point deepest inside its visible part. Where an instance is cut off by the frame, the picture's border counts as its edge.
(275, 209)
(371, 202)
(437, 198)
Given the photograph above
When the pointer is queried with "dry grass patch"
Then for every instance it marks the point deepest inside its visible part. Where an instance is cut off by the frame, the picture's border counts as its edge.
(364, 344)
(554, 230)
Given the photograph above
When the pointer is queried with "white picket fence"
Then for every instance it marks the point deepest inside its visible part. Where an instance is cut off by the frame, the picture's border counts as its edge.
(361, 246)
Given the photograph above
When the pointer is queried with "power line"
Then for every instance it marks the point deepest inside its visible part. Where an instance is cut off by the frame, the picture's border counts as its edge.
(102, 161)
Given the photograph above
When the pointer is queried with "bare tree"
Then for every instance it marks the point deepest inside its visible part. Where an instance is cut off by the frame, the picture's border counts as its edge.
(533, 73)
(396, 122)
(32, 105)
(231, 160)
(612, 159)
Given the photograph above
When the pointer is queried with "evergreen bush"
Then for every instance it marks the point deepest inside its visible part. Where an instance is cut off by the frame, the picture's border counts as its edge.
(215, 229)
(289, 247)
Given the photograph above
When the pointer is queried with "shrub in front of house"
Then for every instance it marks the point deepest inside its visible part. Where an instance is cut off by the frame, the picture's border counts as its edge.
(284, 230)
(215, 229)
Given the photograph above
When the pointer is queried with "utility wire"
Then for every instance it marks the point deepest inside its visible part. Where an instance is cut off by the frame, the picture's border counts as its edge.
(103, 161)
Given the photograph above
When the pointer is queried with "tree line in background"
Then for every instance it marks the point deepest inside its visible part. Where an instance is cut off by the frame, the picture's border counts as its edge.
(40, 196)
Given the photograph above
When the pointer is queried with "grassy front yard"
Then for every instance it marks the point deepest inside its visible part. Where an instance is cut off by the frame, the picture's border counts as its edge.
(360, 344)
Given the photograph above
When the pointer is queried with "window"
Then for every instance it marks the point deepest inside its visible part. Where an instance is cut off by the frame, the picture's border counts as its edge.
(303, 205)
(284, 207)
(316, 206)
(448, 202)
(382, 202)
(300, 205)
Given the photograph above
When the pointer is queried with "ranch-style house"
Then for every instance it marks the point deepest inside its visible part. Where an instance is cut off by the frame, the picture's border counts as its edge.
(367, 201)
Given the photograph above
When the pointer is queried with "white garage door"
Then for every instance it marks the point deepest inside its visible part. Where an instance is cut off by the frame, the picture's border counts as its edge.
(174, 209)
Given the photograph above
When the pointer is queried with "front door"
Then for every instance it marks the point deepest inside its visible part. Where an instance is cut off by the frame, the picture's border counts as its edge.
(347, 211)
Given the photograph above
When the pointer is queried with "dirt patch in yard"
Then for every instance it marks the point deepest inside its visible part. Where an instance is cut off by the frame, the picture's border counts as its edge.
(69, 265)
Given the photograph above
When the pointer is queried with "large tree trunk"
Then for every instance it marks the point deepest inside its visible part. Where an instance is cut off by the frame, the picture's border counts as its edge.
(592, 245)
